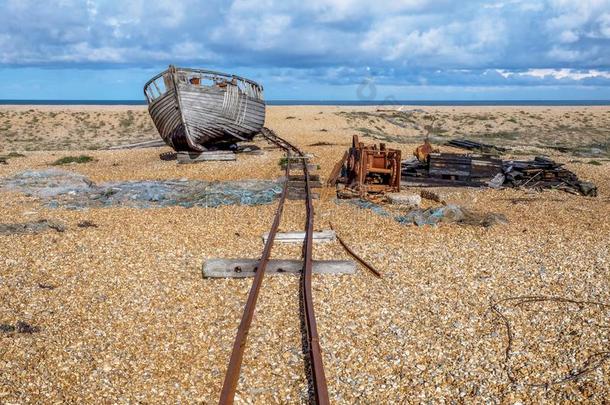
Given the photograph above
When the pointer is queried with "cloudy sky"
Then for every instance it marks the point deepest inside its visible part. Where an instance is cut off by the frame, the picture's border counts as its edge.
(312, 49)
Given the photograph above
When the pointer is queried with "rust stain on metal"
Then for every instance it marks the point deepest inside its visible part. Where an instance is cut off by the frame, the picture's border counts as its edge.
(422, 152)
(370, 169)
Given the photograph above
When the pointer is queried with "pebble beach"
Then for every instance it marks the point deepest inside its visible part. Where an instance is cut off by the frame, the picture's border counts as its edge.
(117, 311)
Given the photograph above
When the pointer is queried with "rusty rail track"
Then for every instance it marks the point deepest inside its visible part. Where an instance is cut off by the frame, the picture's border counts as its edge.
(360, 260)
(318, 378)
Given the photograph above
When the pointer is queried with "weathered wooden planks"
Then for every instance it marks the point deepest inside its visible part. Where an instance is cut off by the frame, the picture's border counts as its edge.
(473, 145)
(197, 157)
(301, 177)
(191, 115)
(299, 166)
(300, 195)
(301, 184)
(241, 268)
(336, 172)
(155, 143)
(451, 169)
(299, 237)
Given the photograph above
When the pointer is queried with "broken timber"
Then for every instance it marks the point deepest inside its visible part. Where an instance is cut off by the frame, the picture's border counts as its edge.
(451, 169)
(300, 177)
(301, 183)
(542, 173)
(155, 143)
(336, 172)
(299, 237)
(299, 166)
(209, 156)
(363, 262)
(296, 183)
(476, 146)
(294, 194)
(241, 268)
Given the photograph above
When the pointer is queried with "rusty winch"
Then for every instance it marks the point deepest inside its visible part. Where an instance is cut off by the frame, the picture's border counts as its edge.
(368, 168)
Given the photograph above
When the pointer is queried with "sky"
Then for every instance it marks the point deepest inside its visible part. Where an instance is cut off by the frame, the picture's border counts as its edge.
(311, 49)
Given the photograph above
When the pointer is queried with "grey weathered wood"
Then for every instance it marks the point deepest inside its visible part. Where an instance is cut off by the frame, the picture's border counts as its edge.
(306, 156)
(155, 143)
(204, 113)
(299, 166)
(301, 184)
(241, 268)
(301, 177)
(300, 195)
(299, 237)
(195, 157)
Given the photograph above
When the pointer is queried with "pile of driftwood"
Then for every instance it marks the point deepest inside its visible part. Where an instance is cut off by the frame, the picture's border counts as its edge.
(545, 173)
(366, 169)
(430, 168)
(451, 169)
(476, 146)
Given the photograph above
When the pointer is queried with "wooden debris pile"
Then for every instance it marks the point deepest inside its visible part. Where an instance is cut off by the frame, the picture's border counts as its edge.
(475, 170)
(545, 173)
(476, 146)
(367, 169)
(449, 169)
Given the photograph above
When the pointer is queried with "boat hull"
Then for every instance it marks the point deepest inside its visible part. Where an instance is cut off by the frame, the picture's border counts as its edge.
(195, 117)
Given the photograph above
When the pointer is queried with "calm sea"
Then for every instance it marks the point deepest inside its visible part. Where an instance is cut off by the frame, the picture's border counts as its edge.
(342, 102)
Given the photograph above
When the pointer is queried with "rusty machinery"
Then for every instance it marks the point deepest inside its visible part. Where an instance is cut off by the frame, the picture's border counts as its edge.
(368, 168)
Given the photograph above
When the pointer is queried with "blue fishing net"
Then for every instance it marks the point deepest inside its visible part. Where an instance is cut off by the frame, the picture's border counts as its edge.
(65, 189)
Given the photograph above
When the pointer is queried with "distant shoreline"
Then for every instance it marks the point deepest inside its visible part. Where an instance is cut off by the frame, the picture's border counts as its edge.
(430, 103)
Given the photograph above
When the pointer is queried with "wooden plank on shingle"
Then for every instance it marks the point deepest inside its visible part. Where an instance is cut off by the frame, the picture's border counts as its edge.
(299, 166)
(301, 177)
(301, 184)
(299, 237)
(197, 157)
(336, 172)
(295, 194)
(153, 143)
(241, 268)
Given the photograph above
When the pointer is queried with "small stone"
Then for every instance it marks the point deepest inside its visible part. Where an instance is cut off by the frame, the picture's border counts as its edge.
(410, 200)
(24, 327)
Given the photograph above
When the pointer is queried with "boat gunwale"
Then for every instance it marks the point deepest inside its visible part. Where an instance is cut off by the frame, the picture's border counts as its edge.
(201, 71)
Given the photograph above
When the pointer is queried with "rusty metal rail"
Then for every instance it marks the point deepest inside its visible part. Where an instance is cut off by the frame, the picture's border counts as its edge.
(320, 390)
(360, 260)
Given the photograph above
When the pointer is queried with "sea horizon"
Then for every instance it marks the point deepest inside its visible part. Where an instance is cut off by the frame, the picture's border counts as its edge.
(432, 103)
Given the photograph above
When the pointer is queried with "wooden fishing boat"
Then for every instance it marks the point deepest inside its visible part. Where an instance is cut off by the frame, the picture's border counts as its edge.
(198, 110)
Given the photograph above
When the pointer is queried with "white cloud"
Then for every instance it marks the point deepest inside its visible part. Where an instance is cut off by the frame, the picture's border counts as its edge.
(337, 37)
(421, 41)
(604, 25)
(559, 74)
(342, 10)
(565, 55)
(568, 37)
